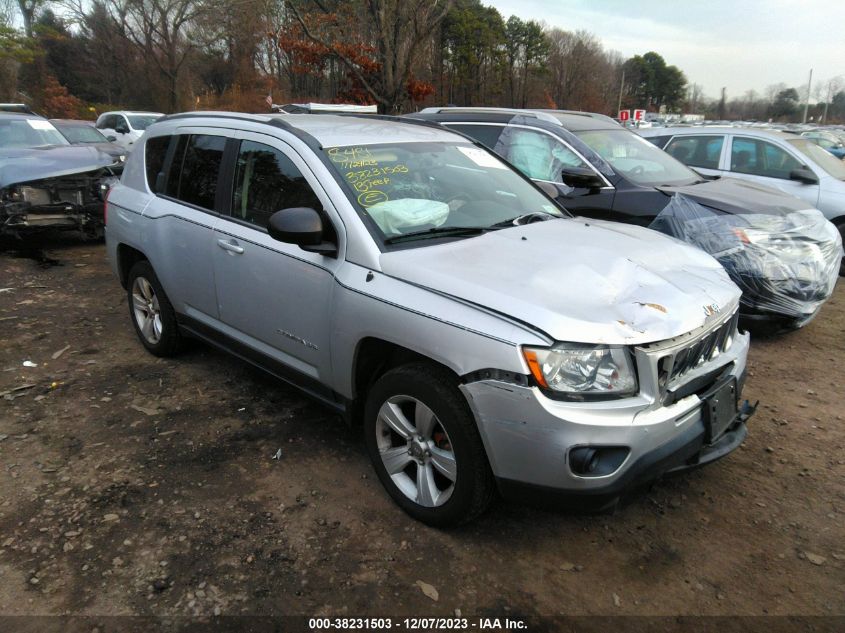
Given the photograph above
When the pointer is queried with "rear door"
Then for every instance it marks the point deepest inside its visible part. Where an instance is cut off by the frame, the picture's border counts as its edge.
(274, 297)
(702, 152)
(184, 214)
(760, 160)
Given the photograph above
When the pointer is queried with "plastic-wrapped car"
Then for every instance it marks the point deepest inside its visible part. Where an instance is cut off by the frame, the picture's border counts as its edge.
(786, 264)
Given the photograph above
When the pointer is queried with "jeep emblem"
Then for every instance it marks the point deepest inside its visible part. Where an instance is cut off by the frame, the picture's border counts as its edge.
(711, 310)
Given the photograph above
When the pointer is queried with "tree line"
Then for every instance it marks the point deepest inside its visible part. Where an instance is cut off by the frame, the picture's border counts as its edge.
(74, 57)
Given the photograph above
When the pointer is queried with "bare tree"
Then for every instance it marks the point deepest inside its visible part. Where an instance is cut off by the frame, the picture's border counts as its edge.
(397, 28)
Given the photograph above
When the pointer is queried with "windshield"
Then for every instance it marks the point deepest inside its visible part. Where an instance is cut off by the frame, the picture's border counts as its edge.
(416, 187)
(82, 134)
(638, 160)
(29, 133)
(824, 159)
(142, 122)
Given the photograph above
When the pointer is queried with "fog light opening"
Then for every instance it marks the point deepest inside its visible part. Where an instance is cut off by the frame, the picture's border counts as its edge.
(597, 461)
(583, 460)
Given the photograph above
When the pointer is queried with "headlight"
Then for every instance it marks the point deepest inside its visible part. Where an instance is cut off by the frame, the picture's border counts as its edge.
(589, 370)
(122, 158)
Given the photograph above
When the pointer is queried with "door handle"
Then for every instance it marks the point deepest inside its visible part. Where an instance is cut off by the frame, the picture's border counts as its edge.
(231, 246)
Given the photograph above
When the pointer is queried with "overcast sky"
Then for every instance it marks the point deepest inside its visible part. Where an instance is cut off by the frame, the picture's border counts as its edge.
(738, 44)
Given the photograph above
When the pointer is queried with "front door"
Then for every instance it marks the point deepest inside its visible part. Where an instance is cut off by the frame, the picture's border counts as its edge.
(764, 162)
(272, 296)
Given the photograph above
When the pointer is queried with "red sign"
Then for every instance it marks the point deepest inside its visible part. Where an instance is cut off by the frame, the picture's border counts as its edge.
(624, 115)
(639, 115)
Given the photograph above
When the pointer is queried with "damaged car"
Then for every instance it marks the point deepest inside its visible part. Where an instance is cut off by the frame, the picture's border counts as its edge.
(480, 337)
(597, 169)
(48, 184)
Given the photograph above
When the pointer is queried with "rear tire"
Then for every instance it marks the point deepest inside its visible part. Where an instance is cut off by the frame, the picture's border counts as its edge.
(425, 447)
(151, 312)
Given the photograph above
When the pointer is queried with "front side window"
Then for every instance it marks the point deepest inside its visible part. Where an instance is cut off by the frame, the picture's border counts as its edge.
(267, 181)
(637, 159)
(408, 188)
(196, 168)
(538, 155)
(698, 151)
(761, 158)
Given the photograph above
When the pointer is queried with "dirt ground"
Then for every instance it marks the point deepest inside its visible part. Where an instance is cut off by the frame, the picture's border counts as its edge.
(134, 485)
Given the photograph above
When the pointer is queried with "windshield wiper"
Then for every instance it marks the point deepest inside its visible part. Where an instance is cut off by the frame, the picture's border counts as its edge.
(525, 218)
(438, 231)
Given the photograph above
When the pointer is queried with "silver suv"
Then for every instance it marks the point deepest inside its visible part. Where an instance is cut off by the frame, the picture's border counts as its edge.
(482, 337)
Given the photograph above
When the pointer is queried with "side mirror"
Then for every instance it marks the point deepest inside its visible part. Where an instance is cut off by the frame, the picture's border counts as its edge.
(581, 178)
(804, 175)
(302, 226)
(111, 138)
(121, 128)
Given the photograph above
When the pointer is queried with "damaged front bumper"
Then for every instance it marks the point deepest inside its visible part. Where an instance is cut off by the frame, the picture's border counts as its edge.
(539, 447)
(73, 202)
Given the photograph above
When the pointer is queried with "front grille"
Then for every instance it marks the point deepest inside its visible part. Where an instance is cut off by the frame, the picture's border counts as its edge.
(704, 349)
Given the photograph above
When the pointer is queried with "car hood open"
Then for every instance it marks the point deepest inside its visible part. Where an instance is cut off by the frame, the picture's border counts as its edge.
(25, 164)
(733, 195)
(577, 280)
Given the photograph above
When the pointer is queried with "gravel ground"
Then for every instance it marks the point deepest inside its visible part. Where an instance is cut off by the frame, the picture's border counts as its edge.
(132, 485)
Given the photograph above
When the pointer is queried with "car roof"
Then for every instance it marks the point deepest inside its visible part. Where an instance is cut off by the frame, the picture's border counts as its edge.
(141, 112)
(719, 129)
(328, 130)
(572, 120)
(19, 115)
(78, 122)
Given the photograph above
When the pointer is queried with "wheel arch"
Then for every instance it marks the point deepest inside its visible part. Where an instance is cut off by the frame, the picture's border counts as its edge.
(127, 257)
(373, 358)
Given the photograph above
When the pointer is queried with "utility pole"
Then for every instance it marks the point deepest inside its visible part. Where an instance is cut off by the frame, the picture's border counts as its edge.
(621, 88)
(807, 102)
(827, 101)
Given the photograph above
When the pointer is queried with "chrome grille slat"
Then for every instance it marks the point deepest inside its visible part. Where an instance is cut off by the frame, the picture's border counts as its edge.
(702, 350)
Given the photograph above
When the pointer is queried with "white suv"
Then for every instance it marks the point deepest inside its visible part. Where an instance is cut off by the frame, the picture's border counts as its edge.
(416, 284)
(124, 127)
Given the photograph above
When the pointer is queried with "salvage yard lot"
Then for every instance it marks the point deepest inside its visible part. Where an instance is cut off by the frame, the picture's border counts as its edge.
(136, 485)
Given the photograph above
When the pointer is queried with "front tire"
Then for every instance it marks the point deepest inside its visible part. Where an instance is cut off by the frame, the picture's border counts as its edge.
(425, 447)
(151, 312)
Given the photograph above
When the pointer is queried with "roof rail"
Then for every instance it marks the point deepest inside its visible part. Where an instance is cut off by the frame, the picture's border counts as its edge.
(537, 114)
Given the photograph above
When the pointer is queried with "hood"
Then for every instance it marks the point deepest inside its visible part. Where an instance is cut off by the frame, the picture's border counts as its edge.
(112, 149)
(25, 164)
(577, 280)
(733, 195)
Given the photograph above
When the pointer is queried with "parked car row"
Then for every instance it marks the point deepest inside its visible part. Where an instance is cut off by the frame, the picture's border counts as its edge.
(598, 169)
(415, 282)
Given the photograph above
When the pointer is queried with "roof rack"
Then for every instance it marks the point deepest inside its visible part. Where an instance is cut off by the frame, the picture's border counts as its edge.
(538, 114)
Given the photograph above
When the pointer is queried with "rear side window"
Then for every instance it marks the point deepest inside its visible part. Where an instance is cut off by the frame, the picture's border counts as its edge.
(196, 169)
(267, 181)
(487, 135)
(698, 151)
(155, 150)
